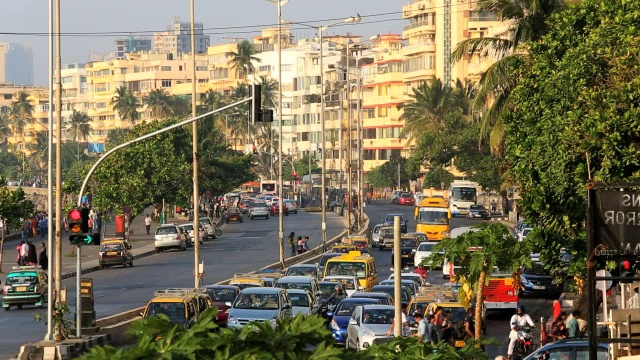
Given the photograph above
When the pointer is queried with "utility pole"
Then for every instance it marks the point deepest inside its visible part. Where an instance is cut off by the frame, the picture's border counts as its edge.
(50, 179)
(194, 127)
(280, 131)
(58, 135)
(348, 157)
(359, 137)
(398, 174)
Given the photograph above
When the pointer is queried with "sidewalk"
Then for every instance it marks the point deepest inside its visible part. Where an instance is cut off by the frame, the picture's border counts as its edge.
(142, 245)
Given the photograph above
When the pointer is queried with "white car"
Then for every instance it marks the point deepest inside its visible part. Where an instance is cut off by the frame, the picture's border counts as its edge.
(188, 228)
(293, 207)
(170, 236)
(369, 325)
(413, 276)
(375, 234)
(423, 251)
(206, 222)
(349, 284)
(524, 233)
(258, 209)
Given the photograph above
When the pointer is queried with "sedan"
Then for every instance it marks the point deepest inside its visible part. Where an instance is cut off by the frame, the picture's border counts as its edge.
(369, 325)
(221, 295)
(302, 303)
(233, 214)
(478, 212)
(406, 199)
(538, 281)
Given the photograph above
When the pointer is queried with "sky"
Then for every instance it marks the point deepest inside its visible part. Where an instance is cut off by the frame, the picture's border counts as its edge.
(26, 21)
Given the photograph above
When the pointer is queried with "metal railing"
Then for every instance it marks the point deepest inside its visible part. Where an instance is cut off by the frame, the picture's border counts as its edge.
(417, 24)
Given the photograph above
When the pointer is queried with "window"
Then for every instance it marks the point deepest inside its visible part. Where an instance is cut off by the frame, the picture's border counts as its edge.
(166, 83)
(7, 96)
(388, 154)
(166, 68)
(369, 133)
(286, 67)
(304, 136)
(201, 68)
(101, 87)
(393, 132)
(67, 79)
(101, 105)
(368, 154)
(222, 73)
(264, 68)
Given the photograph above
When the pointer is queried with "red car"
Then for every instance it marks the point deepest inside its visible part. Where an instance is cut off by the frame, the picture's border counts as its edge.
(220, 294)
(275, 208)
(406, 199)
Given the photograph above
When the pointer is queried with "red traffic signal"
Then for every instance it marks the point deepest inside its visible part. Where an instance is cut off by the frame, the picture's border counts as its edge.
(75, 221)
(75, 215)
(626, 265)
(295, 173)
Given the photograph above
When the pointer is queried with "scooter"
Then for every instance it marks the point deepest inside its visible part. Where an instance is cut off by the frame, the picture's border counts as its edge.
(524, 344)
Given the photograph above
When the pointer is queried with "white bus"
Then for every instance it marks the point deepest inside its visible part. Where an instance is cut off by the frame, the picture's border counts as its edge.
(462, 194)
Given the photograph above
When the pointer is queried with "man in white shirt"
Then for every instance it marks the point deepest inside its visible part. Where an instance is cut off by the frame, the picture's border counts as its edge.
(405, 323)
(519, 319)
(147, 223)
(634, 301)
(24, 253)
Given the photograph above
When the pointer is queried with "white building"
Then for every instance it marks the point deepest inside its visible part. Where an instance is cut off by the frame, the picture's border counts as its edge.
(16, 64)
(177, 38)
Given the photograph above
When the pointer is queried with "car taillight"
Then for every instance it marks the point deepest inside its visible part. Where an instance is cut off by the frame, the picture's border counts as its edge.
(100, 254)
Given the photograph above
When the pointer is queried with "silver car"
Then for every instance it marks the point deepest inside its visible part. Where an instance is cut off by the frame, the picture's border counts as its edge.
(170, 236)
(259, 209)
(206, 222)
(293, 207)
(302, 302)
(375, 234)
(369, 325)
(258, 304)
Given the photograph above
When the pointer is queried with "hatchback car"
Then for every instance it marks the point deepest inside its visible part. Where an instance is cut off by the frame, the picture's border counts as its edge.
(406, 199)
(388, 221)
(189, 229)
(299, 282)
(220, 295)
(115, 252)
(259, 304)
(424, 251)
(538, 281)
(25, 285)
(409, 285)
(342, 314)
(369, 325)
(478, 211)
(170, 236)
(259, 209)
(233, 214)
(350, 284)
(274, 208)
(208, 225)
(291, 205)
(375, 234)
(390, 289)
(302, 302)
(244, 206)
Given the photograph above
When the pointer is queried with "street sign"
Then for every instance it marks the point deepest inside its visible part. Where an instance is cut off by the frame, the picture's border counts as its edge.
(86, 287)
(617, 221)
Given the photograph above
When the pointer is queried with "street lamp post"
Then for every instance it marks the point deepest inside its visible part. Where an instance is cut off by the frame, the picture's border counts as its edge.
(194, 127)
(50, 205)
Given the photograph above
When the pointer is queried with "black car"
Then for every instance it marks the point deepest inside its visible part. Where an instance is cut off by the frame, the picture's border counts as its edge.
(538, 281)
(389, 289)
(388, 221)
(478, 212)
(408, 248)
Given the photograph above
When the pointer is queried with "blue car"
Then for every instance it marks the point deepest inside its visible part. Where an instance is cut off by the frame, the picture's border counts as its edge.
(388, 221)
(340, 317)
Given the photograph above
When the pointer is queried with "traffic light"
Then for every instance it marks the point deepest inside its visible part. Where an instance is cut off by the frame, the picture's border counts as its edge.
(255, 150)
(627, 270)
(79, 229)
(256, 103)
(75, 221)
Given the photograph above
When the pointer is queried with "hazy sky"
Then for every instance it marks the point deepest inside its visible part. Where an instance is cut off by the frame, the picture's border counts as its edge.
(222, 19)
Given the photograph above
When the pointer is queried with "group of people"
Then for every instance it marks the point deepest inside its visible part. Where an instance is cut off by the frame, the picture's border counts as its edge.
(27, 255)
(34, 226)
(299, 246)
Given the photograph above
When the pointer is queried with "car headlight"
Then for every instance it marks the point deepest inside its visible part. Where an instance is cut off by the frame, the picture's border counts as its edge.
(523, 279)
(413, 251)
(367, 332)
(445, 234)
(334, 325)
(232, 320)
(273, 321)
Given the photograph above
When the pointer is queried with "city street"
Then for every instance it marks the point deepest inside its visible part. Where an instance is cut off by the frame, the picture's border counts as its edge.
(497, 322)
(243, 247)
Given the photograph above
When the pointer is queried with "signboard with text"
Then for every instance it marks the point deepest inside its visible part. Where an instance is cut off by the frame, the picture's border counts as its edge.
(617, 221)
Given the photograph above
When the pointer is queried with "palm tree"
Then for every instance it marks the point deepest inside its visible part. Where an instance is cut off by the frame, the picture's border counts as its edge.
(180, 105)
(38, 150)
(269, 92)
(5, 131)
(429, 104)
(79, 127)
(243, 56)
(21, 112)
(159, 102)
(126, 104)
(211, 100)
(528, 23)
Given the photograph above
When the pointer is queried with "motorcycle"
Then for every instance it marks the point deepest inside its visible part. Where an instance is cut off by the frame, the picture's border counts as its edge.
(217, 230)
(524, 344)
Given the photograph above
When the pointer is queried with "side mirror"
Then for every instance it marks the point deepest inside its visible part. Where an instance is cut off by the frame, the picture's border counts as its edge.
(228, 304)
(286, 306)
(353, 322)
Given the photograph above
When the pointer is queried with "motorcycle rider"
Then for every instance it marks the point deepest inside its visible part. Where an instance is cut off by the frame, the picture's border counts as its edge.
(337, 296)
(517, 320)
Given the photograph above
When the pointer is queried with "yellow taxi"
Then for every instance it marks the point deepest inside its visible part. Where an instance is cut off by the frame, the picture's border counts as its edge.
(343, 248)
(244, 281)
(362, 266)
(359, 241)
(180, 306)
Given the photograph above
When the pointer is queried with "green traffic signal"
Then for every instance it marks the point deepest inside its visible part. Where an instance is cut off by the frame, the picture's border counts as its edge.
(83, 239)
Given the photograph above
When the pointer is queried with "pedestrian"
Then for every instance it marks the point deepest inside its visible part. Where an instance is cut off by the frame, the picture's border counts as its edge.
(306, 244)
(42, 224)
(43, 259)
(572, 324)
(505, 206)
(24, 234)
(34, 226)
(32, 254)
(446, 325)
(438, 315)
(634, 302)
(217, 210)
(19, 258)
(494, 206)
(147, 224)
(405, 323)
(292, 243)
(24, 253)
(423, 333)
(300, 245)
(557, 309)
(432, 328)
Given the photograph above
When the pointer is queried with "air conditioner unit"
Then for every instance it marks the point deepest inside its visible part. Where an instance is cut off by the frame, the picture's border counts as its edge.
(429, 36)
(420, 6)
(407, 13)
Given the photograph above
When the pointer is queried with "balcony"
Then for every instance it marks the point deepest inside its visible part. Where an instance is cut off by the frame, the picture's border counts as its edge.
(421, 74)
(423, 25)
(385, 121)
(418, 48)
(416, 7)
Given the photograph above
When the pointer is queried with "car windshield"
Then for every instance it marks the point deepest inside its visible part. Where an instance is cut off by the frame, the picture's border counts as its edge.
(169, 230)
(174, 311)
(464, 193)
(435, 217)
(358, 269)
(389, 218)
(205, 221)
(111, 247)
(537, 269)
(388, 231)
(347, 284)
(421, 237)
(346, 308)
(257, 301)
(246, 285)
(389, 290)
(301, 271)
(259, 205)
(299, 300)
(187, 227)
(425, 247)
(406, 195)
(377, 316)
(409, 242)
(222, 295)
(476, 207)
(376, 229)
(327, 289)
(19, 278)
(293, 285)
(325, 258)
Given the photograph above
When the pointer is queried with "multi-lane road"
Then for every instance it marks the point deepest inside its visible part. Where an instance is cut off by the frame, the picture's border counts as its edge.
(243, 247)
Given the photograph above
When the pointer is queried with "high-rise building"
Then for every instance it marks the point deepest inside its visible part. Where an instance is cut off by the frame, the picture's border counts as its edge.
(130, 45)
(16, 64)
(177, 38)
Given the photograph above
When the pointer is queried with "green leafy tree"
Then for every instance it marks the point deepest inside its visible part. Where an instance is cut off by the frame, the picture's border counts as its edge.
(438, 178)
(116, 137)
(213, 100)
(497, 249)
(14, 207)
(5, 131)
(386, 175)
(243, 57)
(126, 104)
(222, 169)
(79, 128)
(554, 146)
(158, 101)
(409, 349)
(180, 106)
(528, 23)
(269, 92)
(39, 150)
(301, 166)
(9, 165)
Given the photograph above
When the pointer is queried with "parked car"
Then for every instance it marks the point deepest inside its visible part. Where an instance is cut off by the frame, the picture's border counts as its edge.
(524, 233)
(188, 228)
(258, 304)
(170, 236)
(369, 325)
(478, 211)
(406, 199)
(115, 252)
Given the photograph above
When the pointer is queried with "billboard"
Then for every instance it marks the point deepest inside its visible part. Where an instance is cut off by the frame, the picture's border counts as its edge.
(617, 221)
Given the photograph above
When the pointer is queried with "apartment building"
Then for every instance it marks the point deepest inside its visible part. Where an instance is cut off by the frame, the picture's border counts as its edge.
(129, 45)
(177, 38)
(16, 64)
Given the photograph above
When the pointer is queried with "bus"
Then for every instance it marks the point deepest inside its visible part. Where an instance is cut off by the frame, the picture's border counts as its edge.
(462, 194)
(268, 186)
(432, 218)
(354, 264)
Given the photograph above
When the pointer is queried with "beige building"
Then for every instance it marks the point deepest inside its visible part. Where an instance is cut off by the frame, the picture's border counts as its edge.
(177, 38)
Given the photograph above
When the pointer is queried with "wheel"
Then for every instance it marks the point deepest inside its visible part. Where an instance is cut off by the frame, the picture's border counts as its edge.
(19, 307)
(250, 217)
(158, 250)
(218, 232)
(131, 263)
(7, 308)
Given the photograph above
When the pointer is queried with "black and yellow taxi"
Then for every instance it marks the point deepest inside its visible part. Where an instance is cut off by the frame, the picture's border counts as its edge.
(25, 285)
(181, 306)
(115, 252)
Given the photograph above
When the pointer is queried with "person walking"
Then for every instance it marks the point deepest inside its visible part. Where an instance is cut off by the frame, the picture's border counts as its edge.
(26, 225)
(24, 253)
(34, 226)
(292, 243)
(43, 259)
(42, 224)
(306, 244)
(300, 245)
(32, 255)
(494, 206)
(634, 301)
(147, 224)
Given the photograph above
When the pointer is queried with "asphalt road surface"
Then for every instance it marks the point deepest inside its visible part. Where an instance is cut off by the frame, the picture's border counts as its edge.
(243, 247)
(497, 322)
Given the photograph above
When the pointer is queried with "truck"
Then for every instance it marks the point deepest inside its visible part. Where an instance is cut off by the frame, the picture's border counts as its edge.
(462, 194)
(432, 218)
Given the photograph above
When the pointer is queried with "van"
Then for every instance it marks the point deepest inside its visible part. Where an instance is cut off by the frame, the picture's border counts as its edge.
(354, 264)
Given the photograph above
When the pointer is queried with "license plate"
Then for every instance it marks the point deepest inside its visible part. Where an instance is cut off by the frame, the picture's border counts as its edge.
(463, 212)
(405, 256)
(112, 253)
(459, 343)
(538, 287)
(21, 288)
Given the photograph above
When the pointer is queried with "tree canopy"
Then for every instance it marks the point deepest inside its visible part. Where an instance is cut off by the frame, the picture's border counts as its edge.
(386, 175)
(14, 205)
(575, 117)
